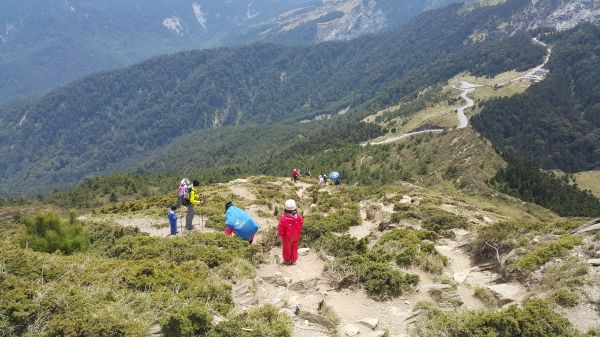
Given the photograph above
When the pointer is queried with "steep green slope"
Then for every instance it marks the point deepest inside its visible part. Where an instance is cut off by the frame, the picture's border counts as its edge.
(110, 117)
(556, 123)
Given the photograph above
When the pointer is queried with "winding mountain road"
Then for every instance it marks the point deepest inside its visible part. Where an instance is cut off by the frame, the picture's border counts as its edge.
(463, 121)
(466, 88)
(535, 70)
(406, 135)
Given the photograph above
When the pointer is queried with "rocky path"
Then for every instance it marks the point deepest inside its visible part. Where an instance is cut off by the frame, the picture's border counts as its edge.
(303, 291)
(238, 188)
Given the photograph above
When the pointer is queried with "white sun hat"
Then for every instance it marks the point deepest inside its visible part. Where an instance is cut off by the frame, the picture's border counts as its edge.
(290, 205)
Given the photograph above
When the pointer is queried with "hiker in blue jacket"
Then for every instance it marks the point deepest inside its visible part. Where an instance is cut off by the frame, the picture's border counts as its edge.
(173, 219)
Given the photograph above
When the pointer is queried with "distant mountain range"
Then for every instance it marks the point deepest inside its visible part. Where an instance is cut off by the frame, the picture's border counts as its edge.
(46, 43)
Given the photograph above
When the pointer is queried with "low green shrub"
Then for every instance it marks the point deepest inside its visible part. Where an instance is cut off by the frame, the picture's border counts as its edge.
(333, 318)
(152, 274)
(340, 221)
(565, 297)
(380, 280)
(187, 322)
(95, 323)
(327, 202)
(534, 319)
(176, 324)
(409, 247)
(156, 203)
(266, 321)
(383, 282)
(402, 207)
(216, 222)
(238, 269)
(48, 233)
(269, 239)
(17, 305)
(570, 274)
(438, 220)
(432, 218)
(213, 249)
(542, 254)
(269, 194)
(504, 236)
(103, 236)
(93, 295)
(431, 309)
(508, 235)
(433, 263)
(340, 246)
(406, 235)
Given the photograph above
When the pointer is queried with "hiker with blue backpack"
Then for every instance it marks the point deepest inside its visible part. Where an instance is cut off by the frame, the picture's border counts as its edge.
(335, 177)
(239, 223)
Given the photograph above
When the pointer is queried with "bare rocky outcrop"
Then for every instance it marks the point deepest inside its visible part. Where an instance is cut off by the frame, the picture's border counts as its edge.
(561, 15)
(445, 295)
(590, 228)
(349, 330)
(507, 293)
(370, 322)
(594, 262)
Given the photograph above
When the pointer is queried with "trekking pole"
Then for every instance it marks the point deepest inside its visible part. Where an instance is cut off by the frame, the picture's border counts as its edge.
(201, 215)
(181, 223)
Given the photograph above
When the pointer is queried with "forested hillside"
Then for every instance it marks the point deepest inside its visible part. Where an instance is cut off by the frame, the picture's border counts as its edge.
(95, 35)
(524, 180)
(556, 123)
(114, 116)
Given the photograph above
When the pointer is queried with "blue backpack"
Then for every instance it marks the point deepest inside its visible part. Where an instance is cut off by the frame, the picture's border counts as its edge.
(241, 223)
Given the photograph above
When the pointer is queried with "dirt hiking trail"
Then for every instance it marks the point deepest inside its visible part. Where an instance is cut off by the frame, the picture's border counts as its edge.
(305, 293)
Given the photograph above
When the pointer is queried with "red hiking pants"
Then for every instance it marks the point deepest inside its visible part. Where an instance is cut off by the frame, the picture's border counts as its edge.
(290, 249)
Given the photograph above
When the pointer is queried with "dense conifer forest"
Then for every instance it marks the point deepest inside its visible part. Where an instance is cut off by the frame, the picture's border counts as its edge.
(555, 122)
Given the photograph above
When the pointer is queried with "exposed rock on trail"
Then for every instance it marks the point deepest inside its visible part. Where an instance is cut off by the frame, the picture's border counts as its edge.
(508, 293)
(590, 227)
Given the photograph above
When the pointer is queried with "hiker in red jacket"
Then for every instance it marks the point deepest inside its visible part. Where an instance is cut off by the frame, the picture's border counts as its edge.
(295, 175)
(290, 230)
